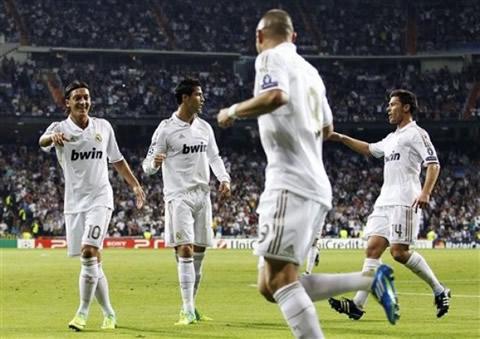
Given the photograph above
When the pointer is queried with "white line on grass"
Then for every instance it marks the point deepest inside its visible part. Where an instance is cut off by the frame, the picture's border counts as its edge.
(430, 294)
(420, 294)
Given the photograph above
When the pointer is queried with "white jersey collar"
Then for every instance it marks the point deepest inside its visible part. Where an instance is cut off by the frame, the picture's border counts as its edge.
(180, 122)
(407, 126)
(74, 126)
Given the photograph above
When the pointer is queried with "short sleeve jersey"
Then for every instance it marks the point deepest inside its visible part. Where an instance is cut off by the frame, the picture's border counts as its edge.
(404, 152)
(189, 149)
(84, 162)
(292, 134)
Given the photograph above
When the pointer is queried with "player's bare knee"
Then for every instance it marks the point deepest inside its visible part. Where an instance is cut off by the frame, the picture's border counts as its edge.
(199, 249)
(89, 251)
(185, 251)
(399, 255)
(373, 252)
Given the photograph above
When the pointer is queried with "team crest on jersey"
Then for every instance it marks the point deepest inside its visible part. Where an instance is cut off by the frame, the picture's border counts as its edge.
(98, 137)
(267, 82)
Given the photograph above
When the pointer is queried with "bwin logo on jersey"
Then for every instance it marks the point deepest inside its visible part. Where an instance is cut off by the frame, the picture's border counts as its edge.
(392, 157)
(93, 154)
(194, 149)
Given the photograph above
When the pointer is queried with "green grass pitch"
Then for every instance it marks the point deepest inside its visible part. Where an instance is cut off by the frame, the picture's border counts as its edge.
(39, 296)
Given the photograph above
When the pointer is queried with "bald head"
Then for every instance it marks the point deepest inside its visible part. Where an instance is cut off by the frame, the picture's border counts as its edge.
(275, 27)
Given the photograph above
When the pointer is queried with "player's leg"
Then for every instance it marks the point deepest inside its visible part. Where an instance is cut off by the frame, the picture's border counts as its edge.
(404, 231)
(297, 308)
(179, 234)
(75, 229)
(282, 247)
(377, 232)
(102, 216)
(203, 239)
(312, 257)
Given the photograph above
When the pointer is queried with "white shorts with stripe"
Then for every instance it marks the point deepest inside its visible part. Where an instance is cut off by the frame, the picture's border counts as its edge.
(188, 219)
(87, 228)
(288, 225)
(397, 224)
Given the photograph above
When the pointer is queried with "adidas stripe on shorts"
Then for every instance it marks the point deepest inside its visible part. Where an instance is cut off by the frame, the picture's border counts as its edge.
(288, 225)
(397, 224)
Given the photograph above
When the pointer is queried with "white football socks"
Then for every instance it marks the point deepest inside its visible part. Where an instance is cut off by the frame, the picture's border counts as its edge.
(324, 286)
(312, 254)
(87, 283)
(102, 293)
(418, 265)
(361, 297)
(198, 265)
(186, 277)
(298, 310)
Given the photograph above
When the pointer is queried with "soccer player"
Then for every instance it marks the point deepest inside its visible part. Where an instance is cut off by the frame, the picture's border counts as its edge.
(84, 145)
(184, 146)
(294, 117)
(395, 219)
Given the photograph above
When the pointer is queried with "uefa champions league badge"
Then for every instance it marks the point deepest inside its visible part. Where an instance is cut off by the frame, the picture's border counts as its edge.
(267, 82)
(98, 137)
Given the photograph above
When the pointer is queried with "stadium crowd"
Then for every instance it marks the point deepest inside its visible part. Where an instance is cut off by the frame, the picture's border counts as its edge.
(142, 88)
(326, 27)
(31, 191)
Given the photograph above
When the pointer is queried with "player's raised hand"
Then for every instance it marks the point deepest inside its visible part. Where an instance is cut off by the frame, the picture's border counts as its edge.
(421, 201)
(224, 121)
(139, 196)
(58, 139)
(224, 190)
(158, 159)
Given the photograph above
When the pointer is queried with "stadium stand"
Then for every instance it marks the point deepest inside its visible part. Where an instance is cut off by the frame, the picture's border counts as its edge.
(31, 190)
(125, 87)
(132, 54)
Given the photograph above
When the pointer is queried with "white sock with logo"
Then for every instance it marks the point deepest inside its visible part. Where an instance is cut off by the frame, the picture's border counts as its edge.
(198, 265)
(361, 297)
(186, 277)
(87, 283)
(418, 265)
(298, 310)
(312, 254)
(324, 286)
(102, 293)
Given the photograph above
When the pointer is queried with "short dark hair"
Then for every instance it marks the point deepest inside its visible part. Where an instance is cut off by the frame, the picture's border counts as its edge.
(406, 98)
(278, 22)
(73, 86)
(186, 86)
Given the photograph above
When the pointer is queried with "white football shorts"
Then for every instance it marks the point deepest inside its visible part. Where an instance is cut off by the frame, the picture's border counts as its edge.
(87, 228)
(188, 219)
(288, 225)
(397, 224)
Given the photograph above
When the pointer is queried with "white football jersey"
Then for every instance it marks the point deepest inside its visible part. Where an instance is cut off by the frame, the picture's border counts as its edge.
(84, 162)
(190, 149)
(405, 150)
(292, 134)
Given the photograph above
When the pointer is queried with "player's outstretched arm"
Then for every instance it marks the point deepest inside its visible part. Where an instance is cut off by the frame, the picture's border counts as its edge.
(56, 138)
(264, 103)
(358, 146)
(124, 170)
(433, 170)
